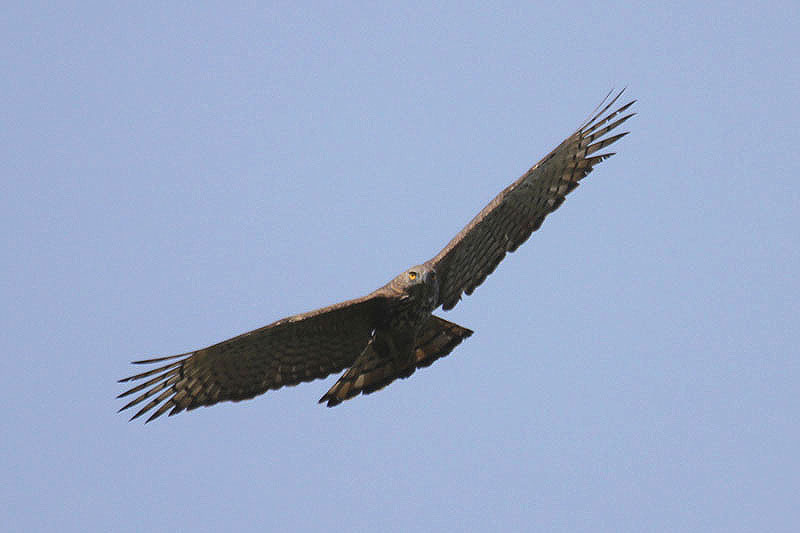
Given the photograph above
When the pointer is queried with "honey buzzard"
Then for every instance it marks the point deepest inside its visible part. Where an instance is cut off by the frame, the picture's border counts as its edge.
(390, 332)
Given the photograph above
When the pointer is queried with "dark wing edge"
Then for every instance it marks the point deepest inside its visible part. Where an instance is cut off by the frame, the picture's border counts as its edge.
(519, 210)
(293, 350)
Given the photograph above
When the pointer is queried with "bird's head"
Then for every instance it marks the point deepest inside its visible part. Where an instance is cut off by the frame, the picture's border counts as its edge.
(418, 282)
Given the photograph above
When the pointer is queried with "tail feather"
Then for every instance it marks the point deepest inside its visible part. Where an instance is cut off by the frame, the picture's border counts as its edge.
(437, 339)
(372, 370)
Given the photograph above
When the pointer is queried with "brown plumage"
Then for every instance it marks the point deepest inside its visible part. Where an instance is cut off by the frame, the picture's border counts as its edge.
(390, 332)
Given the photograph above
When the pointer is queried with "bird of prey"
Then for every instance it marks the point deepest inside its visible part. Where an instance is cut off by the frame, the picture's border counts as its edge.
(390, 332)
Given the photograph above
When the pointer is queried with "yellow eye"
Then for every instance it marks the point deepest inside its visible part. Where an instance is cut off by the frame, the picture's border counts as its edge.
(412, 275)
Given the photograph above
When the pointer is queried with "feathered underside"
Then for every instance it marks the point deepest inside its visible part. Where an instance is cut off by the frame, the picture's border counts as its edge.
(519, 210)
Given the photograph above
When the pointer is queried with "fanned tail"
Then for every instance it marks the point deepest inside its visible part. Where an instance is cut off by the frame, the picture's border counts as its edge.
(372, 371)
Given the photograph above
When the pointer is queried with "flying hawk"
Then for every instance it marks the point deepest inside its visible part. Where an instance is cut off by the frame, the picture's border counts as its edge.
(390, 332)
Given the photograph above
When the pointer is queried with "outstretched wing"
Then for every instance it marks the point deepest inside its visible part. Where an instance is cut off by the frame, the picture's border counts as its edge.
(290, 351)
(520, 209)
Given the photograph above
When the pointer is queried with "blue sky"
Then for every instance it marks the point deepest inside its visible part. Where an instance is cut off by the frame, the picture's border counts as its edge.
(174, 175)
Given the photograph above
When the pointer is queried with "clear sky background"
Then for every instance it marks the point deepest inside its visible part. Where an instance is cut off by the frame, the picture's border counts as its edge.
(176, 174)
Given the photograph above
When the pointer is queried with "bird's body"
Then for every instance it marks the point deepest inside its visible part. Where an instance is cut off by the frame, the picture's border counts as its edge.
(392, 352)
(392, 331)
